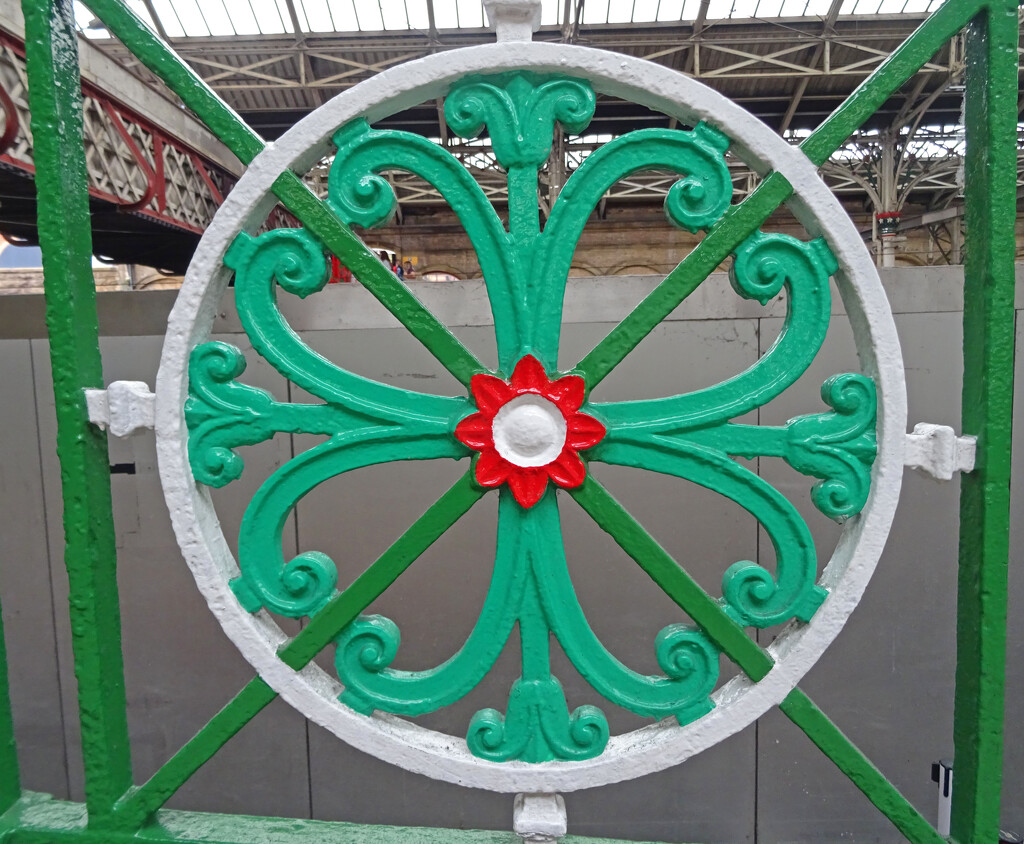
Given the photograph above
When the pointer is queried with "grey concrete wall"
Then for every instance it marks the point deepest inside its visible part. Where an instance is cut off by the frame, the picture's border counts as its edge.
(887, 681)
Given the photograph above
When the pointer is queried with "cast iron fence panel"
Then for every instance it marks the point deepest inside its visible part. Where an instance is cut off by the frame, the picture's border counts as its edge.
(692, 435)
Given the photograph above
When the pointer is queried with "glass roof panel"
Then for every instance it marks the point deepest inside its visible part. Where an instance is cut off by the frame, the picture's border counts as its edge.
(417, 11)
(471, 14)
(551, 13)
(670, 10)
(719, 9)
(367, 13)
(268, 17)
(645, 10)
(317, 15)
(445, 16)
(769, 8)
(168, 17)
(619, 11)
(744, 8)
(243, 18)
(595, 11)
(216, 15)
(394, 14)
(200, 18)
(345, 15)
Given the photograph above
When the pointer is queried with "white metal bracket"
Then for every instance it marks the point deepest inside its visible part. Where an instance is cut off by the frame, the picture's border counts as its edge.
(937, 451)
(539, 818)
(125, 407)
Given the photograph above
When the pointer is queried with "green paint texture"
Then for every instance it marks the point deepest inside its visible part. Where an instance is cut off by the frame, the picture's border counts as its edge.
(39, 819)
(990, 213)
(64, 236)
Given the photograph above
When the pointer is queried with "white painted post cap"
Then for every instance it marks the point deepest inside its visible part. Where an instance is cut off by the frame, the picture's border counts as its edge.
(514, 20)
(539, 818)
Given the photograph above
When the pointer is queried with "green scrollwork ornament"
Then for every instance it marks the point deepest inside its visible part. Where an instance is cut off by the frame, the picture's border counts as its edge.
(529, 429)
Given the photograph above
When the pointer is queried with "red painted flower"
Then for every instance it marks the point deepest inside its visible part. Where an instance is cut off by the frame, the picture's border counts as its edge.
(529, 430)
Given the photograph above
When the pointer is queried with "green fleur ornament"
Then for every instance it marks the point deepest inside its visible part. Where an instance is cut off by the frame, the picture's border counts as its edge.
(531, 431)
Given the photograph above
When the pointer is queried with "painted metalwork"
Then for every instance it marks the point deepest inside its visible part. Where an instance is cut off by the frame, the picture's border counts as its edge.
(692, 436)
(526, 445)
(131, 161)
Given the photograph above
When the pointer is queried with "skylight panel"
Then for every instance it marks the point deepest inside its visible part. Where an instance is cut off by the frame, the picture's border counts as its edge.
(394, 14)
(595, 11)
(916, 6)
(892, 6)
(268, 17)
(317, 15)
(620, 11)
(243, 18)
(645, 11)
(445, 16)
(550, 13)
(217, 19)
(848, 7)
(744, 8)
(818, 7)
(793, 8)
(168, 18)
(367, 13)
(670, 10)
(690, 9)
(769, 9)
(470, 13)
(719, 9)
(417, 12)
(867, 7)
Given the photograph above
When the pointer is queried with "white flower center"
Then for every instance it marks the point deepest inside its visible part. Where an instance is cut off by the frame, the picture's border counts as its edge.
(529, 431)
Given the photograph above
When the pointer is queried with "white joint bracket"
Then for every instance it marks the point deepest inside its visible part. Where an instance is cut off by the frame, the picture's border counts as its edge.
(514, 20)
(125, 407)
(539, 818)
(937, 451)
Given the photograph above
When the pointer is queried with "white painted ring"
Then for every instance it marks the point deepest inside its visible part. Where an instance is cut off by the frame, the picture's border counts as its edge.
(314, 692)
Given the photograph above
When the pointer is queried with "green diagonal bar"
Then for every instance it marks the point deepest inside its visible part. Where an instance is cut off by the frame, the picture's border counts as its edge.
(862, 773)
(147, 46)
(132, 31)
(742, 220)
(613, 518)
(139, 803)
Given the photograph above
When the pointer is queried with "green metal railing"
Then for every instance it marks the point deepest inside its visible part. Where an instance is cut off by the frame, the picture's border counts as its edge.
(117, 809)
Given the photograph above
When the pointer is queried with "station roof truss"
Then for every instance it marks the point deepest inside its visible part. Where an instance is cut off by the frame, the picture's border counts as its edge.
(790, 62)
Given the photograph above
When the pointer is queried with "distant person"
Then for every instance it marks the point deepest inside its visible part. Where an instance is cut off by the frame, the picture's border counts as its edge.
(409, 271)
(389, 261)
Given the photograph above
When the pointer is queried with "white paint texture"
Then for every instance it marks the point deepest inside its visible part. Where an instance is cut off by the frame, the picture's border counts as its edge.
(513, 20)
(539, 818)
(529, 431)
(937, 451)
(125, 407)
(738, 702)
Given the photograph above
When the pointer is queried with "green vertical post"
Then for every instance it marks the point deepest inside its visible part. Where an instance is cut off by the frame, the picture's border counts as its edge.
(10, 780)
(990, 211)
(55, 100)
